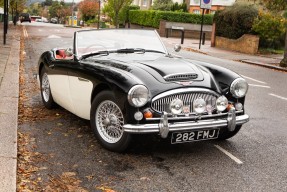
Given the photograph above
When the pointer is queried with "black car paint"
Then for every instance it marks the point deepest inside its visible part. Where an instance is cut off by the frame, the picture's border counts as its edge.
(119, 76)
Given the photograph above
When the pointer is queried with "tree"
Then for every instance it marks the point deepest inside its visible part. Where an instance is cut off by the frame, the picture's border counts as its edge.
(89, 9)
(163, 5)
(17, 6)
(279, 6)
(113, 9)
(35, 9)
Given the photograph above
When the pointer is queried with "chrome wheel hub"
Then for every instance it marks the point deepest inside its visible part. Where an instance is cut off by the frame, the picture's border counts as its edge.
(45, 87)
(109, 121)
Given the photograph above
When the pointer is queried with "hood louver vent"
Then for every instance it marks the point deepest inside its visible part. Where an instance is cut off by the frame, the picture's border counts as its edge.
(180, 77)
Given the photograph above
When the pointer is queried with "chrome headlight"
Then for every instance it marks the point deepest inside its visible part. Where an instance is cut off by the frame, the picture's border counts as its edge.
(239, 88)
(138, 95)
(176, 106)
(199, 106)
(221, 103)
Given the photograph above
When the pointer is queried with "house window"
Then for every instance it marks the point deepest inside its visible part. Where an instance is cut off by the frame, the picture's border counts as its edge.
(144, 3)
(196, 11)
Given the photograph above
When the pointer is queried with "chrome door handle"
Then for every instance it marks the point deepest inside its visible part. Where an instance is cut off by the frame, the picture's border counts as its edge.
(82, 79)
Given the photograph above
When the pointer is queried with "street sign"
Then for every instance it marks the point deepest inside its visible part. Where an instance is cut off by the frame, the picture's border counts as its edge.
(205, 4)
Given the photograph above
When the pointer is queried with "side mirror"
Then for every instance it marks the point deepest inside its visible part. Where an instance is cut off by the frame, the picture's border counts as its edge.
(177, 47)
(69, 52)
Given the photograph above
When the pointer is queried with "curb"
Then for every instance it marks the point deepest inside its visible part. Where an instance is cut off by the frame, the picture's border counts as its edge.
(264, 65)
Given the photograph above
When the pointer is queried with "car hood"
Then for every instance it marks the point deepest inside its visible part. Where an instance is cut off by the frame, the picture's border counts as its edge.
(155, 72)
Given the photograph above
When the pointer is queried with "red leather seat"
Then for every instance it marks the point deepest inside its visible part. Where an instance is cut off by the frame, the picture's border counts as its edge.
(60, 54)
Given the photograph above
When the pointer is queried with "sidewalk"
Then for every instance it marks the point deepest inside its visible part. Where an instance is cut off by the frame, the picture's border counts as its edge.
(269, 61)
(9, 93)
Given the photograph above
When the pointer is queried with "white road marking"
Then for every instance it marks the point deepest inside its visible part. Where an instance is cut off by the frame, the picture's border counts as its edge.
(229, 155)
(263, 86)
(54, 37)
(284, 98)
(253, 79)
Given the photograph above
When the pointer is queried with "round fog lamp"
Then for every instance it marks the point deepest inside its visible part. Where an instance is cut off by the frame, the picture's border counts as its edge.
(238, 106)
(138, 116)
(176, 106)
(221, 103)
(199, 106)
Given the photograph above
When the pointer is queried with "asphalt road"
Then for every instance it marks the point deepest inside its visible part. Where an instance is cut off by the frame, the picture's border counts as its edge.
(254, 160)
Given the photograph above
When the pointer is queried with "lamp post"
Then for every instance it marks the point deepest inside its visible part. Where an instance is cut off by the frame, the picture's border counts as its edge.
(5, 21)
(99, 14)
(73, 13)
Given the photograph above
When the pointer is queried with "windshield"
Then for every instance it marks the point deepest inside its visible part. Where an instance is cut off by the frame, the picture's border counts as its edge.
(114, 39)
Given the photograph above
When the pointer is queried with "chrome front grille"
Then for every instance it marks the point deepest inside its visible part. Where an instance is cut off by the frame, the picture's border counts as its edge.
(161, 102)
(181, 77)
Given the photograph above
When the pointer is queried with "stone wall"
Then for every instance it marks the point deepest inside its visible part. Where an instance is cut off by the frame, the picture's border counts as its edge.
(245, 44)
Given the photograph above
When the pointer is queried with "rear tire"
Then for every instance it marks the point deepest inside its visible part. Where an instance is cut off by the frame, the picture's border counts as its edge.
(46, 94)
(107, 122)
(228, 134)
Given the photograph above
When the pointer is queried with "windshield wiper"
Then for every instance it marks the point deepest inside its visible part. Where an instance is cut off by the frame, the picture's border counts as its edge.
(129, 50)
(105, 53)
(135, 50)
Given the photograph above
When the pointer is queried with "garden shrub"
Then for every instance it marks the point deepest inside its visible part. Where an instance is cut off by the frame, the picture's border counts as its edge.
(235, 21)
(271, 30)
(151, 18)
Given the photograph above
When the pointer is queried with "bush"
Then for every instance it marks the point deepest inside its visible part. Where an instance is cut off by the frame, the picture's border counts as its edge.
(235, 21)
(271, 30)
(124, 13)
(151, 18)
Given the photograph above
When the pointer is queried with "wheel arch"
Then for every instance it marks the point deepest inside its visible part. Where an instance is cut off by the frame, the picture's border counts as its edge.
(98, 89)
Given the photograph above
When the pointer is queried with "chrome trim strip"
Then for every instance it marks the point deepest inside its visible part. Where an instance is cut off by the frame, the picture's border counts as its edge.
(192, 117)
(184, 126)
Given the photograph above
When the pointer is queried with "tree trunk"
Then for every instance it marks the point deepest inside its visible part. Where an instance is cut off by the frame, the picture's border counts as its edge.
(116, 19)
(283, 63)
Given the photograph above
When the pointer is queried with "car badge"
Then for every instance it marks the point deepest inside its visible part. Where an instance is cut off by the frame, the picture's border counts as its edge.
(185, 83)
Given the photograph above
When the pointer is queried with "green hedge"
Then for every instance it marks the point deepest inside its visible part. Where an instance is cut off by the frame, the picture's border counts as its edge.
(151, 18)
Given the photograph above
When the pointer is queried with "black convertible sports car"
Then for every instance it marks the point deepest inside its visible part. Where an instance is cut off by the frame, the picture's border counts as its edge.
(125, 82)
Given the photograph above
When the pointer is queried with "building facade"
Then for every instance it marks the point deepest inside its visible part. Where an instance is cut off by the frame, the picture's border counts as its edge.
(194, 6)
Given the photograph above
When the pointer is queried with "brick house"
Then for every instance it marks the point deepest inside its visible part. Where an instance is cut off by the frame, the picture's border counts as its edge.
(194, 5)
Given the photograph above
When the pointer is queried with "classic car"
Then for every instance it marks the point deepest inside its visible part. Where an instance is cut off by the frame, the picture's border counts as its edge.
(126, 82)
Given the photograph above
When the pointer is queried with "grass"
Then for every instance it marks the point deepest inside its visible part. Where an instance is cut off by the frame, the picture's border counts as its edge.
(267, 51)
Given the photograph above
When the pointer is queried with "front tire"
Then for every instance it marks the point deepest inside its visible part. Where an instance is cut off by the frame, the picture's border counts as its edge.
(228, 134)
(46, 94)
(107, 122)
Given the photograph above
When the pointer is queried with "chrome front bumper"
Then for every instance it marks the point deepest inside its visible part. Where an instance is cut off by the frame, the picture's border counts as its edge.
(164, 127)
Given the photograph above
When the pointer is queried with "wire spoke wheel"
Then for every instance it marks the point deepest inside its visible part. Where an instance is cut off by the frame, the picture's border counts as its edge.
(109, 121)
(45, 87)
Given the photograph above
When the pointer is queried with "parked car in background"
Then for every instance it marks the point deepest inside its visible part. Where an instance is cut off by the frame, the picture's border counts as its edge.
(25, 17)
(54, 20)
(125, 82)
(38, 20)
(45, 20)
(34, 17)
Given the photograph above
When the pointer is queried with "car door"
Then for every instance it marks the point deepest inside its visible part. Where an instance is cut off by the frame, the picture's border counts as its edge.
(81, 88)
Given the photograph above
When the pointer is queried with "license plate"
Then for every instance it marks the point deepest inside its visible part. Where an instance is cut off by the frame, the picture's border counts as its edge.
(189, 136)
